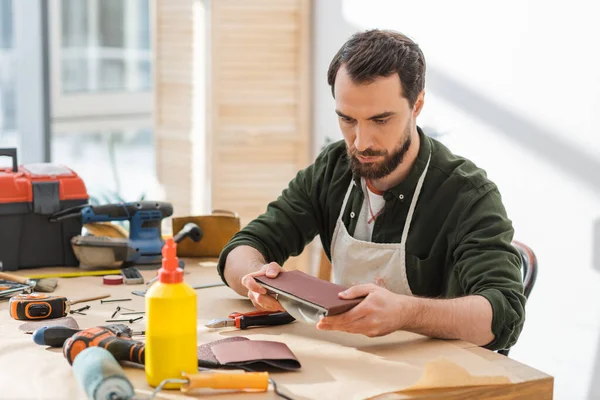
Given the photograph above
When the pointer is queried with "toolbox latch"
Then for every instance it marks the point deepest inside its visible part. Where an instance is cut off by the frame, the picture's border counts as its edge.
(46, 197)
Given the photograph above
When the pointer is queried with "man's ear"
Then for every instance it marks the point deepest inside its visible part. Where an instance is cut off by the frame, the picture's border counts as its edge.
(419, 104)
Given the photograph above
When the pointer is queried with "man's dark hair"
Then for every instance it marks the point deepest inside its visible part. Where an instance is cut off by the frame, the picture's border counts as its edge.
(381, 53)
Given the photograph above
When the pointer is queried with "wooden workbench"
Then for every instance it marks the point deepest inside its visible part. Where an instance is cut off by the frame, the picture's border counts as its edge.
(334, 364)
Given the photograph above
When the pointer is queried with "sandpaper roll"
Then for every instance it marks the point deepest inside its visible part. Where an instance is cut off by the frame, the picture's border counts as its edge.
(100, 375)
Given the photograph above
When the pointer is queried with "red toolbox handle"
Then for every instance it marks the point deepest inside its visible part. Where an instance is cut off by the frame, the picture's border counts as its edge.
(13, 154)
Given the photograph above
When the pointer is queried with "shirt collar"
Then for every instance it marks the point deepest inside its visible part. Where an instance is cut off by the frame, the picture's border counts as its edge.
(404, 190)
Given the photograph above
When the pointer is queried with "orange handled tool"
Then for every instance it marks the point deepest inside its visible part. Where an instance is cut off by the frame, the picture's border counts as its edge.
(114, 338)
(35, 306)
(227, 380)
(250, 319)
(251, 381)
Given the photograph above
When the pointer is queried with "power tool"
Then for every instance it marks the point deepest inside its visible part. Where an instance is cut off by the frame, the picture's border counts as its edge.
(114, 338)
(142, 247)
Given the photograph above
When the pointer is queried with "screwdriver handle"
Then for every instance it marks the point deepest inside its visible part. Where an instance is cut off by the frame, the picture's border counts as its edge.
(54, 336)
(228, 380)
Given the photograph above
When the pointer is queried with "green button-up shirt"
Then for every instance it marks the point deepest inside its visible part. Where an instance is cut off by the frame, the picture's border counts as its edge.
(460, 237)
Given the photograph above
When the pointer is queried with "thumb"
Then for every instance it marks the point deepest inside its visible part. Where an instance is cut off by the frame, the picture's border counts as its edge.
(273, 270)
(357, 291)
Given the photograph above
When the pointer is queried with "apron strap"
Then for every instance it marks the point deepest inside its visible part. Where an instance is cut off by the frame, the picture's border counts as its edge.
(413, 203)
(352, 183)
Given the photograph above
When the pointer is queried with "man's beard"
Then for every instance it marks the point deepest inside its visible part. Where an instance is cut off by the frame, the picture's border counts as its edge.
(378, 170)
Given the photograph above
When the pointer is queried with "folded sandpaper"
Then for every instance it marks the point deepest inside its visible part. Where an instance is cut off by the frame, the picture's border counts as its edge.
(32, 326)
(309, 290)
(258, 355)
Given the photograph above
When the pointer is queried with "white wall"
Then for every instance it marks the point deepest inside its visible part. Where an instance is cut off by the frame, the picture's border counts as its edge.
(514, 86)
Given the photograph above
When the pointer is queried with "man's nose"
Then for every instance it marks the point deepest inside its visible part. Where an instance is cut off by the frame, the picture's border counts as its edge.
(363, 139)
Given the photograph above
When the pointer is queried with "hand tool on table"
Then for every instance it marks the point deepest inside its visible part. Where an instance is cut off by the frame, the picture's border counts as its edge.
(56, 336)
(34, 306)
(114, 338)
(101, 377)
(250, 319)
(9, 289)
(198, 287)
(41, 285)
(142, 247)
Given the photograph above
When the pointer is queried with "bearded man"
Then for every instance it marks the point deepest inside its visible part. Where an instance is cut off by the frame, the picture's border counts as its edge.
(418, 231)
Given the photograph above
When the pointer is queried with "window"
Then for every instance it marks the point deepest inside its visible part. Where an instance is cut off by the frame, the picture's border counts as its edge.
(101, 95)
(8, 117)
(100, 56)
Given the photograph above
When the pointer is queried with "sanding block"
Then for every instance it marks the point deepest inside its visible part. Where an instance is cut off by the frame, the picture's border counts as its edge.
(306, 297)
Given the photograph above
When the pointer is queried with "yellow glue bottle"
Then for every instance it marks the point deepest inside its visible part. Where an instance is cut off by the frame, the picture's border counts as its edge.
(171, 323)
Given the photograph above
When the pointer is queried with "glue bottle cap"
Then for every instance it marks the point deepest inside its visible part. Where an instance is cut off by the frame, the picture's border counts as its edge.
(170, 271)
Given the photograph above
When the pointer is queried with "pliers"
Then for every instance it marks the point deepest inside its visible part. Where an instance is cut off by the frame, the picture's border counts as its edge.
(254, 318)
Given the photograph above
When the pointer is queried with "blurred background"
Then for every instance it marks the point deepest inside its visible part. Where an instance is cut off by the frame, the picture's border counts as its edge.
(217, 104)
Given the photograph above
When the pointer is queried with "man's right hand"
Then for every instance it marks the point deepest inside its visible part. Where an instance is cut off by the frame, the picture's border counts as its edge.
(258, 294)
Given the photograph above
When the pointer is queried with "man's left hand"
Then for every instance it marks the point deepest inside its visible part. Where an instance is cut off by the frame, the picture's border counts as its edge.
(380, 313)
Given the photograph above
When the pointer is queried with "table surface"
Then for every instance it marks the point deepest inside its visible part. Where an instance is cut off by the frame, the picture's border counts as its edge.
(54, 380)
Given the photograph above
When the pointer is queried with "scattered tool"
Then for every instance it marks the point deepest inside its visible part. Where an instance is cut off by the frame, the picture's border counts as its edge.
(132, 276)
(119, 344)
(210, 285)
(42, 285)
(113, 300)
(131, 321)
(9, 289)
(79, 310)
(145, 241)
(101, 377)
(250, 319)
(55, 336)
(118, 310)
(34, 306)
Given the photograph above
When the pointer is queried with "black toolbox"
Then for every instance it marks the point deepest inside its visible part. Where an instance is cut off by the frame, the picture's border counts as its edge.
(29, 195)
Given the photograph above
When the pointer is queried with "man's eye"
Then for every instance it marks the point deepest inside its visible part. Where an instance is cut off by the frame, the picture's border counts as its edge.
(381, 121)
(346, 119)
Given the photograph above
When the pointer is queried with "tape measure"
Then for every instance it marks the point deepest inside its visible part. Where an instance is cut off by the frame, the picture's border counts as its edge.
(34, 306)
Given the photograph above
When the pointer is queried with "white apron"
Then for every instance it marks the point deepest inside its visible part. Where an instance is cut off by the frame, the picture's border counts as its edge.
(355, 261)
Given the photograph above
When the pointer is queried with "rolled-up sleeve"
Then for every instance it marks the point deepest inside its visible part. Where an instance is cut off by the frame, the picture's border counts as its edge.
(287, 225)
(488, 265)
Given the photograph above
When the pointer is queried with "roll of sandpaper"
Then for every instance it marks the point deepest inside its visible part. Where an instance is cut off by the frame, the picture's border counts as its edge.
(100, 375)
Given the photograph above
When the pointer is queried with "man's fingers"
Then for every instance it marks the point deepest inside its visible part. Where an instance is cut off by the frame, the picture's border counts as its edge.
(358, 291)
(265, 302)
(270, 270)
(249, 282)
(356, 326)
(345, 318)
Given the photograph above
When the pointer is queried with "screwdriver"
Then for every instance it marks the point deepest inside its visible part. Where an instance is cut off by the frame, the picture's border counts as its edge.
(55, 336)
